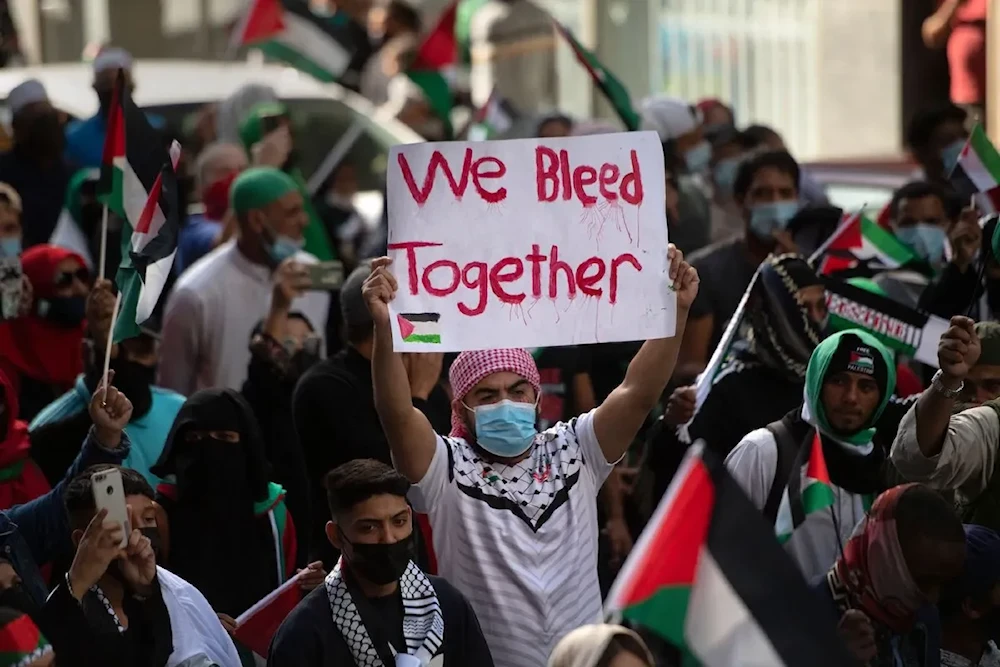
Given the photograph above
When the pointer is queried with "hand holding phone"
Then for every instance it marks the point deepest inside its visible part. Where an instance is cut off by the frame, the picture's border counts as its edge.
(325, 276)
(109, 495)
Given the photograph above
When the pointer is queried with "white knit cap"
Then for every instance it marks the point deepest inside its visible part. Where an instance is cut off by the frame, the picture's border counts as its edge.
(112, 58)
(585, 646)
(669, 117)
(25, 93)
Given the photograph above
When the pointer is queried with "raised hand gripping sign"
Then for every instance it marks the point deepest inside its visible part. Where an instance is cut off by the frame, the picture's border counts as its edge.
(529, 243)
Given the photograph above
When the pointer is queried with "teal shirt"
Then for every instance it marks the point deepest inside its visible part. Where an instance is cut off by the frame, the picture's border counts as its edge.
(147, 433)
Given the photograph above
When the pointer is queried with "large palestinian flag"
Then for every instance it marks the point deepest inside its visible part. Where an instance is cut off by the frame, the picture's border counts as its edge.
(709, 576)
(139, 183)
(288, 30)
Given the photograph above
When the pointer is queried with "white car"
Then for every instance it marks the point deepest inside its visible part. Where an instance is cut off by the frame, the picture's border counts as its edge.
(177, 89)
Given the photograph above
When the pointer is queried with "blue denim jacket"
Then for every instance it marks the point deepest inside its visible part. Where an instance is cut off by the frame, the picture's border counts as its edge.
(38, 531)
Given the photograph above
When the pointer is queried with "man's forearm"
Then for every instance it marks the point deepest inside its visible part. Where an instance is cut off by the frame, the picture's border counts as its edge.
(937, 26)
(392, 387)
(934, 411)
(653, 365)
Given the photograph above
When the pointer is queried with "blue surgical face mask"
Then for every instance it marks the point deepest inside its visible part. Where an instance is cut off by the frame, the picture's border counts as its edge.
(950, 153)
(505, 429)
(284, 247)
(926, 240)
(10, 247)
(697, 158)
(724, 175)
(772, 216)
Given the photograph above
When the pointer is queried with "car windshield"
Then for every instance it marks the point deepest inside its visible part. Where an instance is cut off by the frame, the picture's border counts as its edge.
(317, 124)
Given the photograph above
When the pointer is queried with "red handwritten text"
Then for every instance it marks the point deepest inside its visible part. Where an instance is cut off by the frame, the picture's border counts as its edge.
(554, 177)
(479, 170)
(442, 277)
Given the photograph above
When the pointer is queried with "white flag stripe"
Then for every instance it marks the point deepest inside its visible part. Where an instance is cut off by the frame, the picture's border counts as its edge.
(156, 277)
(312, 42)
(68, 235)
(719, 629)
(977, 172)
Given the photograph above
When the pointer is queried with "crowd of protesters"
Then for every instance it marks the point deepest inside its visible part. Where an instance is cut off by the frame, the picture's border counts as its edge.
(471, 509)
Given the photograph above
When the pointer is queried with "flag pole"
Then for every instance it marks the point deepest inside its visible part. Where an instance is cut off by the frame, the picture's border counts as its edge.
(104, 244)
(335, 156)
(836, 233)
(107, 349)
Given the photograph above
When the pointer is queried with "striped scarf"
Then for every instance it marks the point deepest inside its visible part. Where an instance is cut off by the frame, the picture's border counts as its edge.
(423, 623)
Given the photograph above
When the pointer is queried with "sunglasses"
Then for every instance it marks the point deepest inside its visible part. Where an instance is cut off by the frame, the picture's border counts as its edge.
(65, 279)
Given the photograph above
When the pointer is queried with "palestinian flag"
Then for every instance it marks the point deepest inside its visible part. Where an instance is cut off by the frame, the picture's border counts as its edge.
(433, 69)
(256, 626)
(977, 172)
(862, 241)
(606, 82)
(907, 331)
(420, 327)
(491, 120)
(708, 576)
(806, 493)
(21, 642)
(287, 30)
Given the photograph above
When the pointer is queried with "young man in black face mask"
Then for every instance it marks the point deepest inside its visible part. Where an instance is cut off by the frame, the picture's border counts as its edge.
(35, 166)
(376, 601)
(115, 606)
(134, 362)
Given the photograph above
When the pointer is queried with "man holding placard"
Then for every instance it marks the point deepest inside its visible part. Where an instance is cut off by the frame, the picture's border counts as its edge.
(513, 511)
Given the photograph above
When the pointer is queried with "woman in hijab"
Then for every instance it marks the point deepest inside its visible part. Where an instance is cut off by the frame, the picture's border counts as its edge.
(41, 352)
(890, 574)
(230, 534)
(601, 646)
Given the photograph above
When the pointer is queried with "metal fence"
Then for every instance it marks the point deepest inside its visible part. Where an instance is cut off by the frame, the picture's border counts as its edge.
(760, 56)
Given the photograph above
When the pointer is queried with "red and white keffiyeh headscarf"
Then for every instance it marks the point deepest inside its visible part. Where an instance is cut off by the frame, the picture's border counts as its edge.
(471, 367)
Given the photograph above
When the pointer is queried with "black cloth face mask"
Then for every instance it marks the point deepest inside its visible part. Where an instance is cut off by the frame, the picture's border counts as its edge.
(380, 564)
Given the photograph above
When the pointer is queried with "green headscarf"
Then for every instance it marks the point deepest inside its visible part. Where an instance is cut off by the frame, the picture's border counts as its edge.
(74, 202)
(317, 242)
(257, 187)
(819, 363)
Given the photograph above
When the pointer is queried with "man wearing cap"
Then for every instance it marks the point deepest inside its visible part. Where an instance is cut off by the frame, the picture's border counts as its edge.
(334, 403)
(65, 420)
(950, 439)
(34, 167)
(513, 511)
(688, 154)
(970, 605)
(85, 138)
(217, 303)
(849, 381)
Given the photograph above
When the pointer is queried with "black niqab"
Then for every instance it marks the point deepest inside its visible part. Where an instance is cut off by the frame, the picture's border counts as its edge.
(216, 541)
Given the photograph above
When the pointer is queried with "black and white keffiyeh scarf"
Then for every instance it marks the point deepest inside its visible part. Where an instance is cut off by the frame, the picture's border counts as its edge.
(423, 623)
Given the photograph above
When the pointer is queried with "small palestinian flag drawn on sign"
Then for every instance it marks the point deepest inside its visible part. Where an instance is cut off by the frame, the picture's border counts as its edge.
(861, 361)
(420, 327)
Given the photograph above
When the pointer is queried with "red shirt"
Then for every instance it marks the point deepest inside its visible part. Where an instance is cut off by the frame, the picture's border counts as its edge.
(967, 53)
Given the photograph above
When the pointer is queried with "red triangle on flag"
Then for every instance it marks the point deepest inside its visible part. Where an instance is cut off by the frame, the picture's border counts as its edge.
(264, 20)
(439, 49)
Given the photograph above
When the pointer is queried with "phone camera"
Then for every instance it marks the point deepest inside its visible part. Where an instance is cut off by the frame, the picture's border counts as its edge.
(110, 490)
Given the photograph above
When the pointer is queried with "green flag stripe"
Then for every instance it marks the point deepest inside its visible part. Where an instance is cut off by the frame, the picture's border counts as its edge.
(289, 55)
(986, 152)
(664, 613)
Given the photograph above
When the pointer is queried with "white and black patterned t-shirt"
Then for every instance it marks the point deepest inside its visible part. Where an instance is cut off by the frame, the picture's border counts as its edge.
(520, 542)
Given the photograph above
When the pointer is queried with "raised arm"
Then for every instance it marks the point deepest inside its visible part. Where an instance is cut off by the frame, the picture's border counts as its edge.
(411, 438)
(937, 26)
(623, 412)
(958, 352)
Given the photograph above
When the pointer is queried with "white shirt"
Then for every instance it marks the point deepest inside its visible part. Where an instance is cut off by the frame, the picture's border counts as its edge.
(211, 313)
(814, 545)
(198, 635)
(520, 542)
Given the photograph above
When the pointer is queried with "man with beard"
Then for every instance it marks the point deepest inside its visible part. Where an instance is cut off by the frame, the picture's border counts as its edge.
(115, 606)
(65, 420)
(35, 166)
(848, 383)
